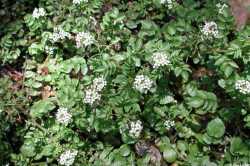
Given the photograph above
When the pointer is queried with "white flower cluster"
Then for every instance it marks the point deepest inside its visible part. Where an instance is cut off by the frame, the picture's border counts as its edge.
(77, 2)
(63, 116)
(160, 59)
(68, 157)
(210, 30)
(169, 124)
(221, 7)
(142, 83)
(170, 99)
(59, 34)
(38, 12)
(243, 86)
(170, 3)
(49, 50)
(84, 38)
(162, 1)
(92, 94)
(99, 83)
(135, 128)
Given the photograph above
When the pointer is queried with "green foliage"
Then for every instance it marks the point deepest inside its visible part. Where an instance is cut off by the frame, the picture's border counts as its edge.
(41, 108)
(123, 83)
(203, 101)
(216, 128)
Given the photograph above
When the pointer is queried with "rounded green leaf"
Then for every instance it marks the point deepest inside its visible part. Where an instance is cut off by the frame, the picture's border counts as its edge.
(124, 150)
(169, 155)
(28, 150)
(196, 102)
(41, 107)
(216, 128)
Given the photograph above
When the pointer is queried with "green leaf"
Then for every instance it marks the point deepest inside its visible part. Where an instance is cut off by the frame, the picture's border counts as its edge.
(196, 102)
(48, 150)
(236, 145)
(124, 150)
(171, 29)
(182, 145)
(28, 150)
(203, 101)
(106, 152)
(35, 49)
(239, 147)
(228, 71)
(41, 108)
(170, 155)
(216, 128)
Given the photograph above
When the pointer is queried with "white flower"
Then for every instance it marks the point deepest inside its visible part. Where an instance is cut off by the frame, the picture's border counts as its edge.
(243, 86)
(38, 12)
(63, 116)
(49, 50)
(160, 59)
(77, 2)
(169, 124)
(59, 34)
(84, 38)
(162, 1)
(91, 96)
(68, 157)
(99, 83)
(170, 4)
(135, 128)
(170, 99)
(221, 7)
(142, 83)
(210, 30)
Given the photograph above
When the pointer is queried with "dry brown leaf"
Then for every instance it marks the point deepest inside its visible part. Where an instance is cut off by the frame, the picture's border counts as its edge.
(11, 72)
(240, 12)
(43, 70)
(155, 154)
(202, 71)
(107, 7)
(47, 92)
(142, 148)
(174, 164)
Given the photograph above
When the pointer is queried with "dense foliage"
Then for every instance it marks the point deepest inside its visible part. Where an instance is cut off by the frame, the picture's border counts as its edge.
(123, 82)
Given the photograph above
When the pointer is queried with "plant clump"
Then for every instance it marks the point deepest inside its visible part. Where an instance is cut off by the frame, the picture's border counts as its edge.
(124, 83)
